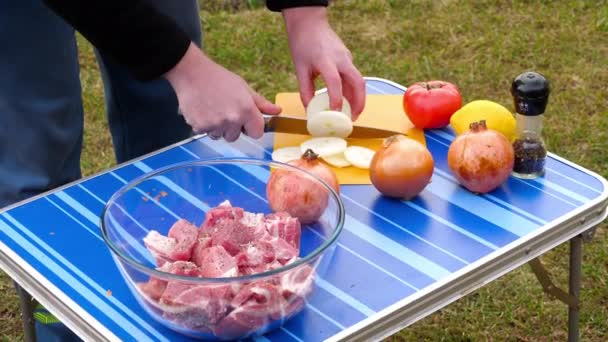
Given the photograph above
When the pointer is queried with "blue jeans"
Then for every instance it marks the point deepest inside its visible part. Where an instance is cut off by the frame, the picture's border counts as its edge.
(41, 111)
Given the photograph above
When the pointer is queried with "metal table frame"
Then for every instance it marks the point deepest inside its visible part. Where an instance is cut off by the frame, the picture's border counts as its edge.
(576, 227)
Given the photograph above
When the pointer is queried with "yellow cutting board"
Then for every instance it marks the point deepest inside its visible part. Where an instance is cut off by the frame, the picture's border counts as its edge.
(381, 111)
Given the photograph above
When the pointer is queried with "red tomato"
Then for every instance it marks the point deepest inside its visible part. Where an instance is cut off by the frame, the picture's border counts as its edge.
(431, 104)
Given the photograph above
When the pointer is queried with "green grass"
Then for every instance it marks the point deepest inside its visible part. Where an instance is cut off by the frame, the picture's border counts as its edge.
(479, 45)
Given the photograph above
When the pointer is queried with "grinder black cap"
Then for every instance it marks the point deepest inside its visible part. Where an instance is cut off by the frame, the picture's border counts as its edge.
(530, 92)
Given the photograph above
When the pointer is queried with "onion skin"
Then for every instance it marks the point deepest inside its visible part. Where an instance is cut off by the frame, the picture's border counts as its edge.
(481, 159)
(401, 168)
(298, 194)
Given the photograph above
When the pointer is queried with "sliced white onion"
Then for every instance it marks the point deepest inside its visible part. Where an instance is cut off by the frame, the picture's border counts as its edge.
(359, 156)
(337, 160)
(286, 154)
(324, 146)
(329, 123)
(320, 103)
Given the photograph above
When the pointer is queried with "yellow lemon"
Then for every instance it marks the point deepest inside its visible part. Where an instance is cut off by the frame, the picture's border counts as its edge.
(497, 117)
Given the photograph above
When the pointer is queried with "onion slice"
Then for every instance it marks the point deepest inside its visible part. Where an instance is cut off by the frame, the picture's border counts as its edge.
(286, 154)
(320, 103)
(337, 160)
(359, 156)
(329, 123)
(324, 146)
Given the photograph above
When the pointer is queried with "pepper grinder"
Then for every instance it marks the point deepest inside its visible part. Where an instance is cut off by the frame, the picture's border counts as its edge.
(530, 91)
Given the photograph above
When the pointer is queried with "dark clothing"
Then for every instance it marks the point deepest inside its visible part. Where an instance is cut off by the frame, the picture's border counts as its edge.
(41, 107)
(117, 27)
(278, 5)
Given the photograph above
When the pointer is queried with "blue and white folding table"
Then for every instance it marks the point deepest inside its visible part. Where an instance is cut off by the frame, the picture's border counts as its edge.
(411, 258)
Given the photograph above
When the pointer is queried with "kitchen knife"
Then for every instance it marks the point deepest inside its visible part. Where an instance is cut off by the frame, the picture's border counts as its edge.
(297, 125)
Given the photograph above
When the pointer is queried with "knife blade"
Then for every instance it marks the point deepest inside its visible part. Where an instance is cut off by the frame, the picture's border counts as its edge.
(297, 125)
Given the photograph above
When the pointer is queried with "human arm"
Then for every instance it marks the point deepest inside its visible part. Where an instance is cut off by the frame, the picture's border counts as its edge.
(212, 99)
(224, 101)
(135, 34)
(317, 50)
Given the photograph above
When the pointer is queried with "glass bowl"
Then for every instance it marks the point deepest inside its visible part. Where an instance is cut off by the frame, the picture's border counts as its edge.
(205, 254)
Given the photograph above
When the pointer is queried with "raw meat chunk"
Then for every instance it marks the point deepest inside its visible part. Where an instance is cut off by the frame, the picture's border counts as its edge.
(249, 270)
(176, 246)
(231, 235)
(253, 220)
(153, 288)
(185, 268)
(160, 260)
(254, 305)
(215, 262)
(209, 303)
(240, 322)
(255, 223)
(190, 318)
(297, 282)
(175, 288)
(229, 243)
(256, 253)
(185, 234)
(285, 227)
(160, 246)
(284, 252)
(225, 227)
(220, 213)
(260, 295)
(201, 244)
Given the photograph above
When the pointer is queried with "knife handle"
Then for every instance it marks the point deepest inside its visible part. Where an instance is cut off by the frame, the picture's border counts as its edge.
(268, 124)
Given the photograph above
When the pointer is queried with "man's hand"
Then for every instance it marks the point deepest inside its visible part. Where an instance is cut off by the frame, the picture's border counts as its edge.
(317, 50)
(216, 101)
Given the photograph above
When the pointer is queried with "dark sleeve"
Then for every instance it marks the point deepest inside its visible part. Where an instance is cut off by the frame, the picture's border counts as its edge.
(278, 5)
(132, 32)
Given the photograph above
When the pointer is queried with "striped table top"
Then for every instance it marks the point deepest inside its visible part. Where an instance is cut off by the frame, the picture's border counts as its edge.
(395, 262)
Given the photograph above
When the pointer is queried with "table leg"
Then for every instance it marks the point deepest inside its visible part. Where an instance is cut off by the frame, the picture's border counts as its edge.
(570, 298)
(576, 258)
(28, 305)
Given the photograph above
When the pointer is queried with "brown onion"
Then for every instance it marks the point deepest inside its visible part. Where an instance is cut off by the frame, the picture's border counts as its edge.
(401, 168)
(481, 159)
(298, 194)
